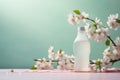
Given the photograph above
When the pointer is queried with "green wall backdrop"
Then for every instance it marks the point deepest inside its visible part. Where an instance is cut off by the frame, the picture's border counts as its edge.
(29, 27)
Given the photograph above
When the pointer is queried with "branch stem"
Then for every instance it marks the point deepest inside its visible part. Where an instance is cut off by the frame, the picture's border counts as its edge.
(90, 19)
(46, 60)
(113, 61)
(111, 41)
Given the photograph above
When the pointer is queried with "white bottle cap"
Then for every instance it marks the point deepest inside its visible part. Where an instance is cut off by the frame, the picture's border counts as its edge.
(81, 29)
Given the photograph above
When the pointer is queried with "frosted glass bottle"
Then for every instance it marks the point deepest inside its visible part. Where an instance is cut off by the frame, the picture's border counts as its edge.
(81, 49)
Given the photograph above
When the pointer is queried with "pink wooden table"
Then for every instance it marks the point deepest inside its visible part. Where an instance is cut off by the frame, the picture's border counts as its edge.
(26, 74)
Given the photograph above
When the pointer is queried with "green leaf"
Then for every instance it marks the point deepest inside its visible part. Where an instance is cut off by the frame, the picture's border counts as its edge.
(76, 11)
(33, 68)
(98, 63)
(60, 51)
(118, 20)
(107, 42)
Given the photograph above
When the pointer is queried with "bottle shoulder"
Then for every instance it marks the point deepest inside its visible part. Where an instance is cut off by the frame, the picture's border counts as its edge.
(81, 38)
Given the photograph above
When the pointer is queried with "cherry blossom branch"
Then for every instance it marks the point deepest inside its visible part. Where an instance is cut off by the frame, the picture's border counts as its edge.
(116, 60)
(106, 36)
(91, 62)
(51, 60)
(112, 61)
(46, 60)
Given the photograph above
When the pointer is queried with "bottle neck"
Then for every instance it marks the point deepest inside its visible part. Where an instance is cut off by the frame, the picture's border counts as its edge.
(81, 32)
(81, 35)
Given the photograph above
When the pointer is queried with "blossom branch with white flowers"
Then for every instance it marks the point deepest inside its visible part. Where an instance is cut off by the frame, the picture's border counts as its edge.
(63, 61)
(96, 31)
(106, 36)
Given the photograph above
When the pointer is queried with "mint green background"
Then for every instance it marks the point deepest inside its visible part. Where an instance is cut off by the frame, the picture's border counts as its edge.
(29, 27)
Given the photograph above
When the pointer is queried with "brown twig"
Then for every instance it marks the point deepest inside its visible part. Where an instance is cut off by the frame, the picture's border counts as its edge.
(46, 60)
(90, 19)
(111, 41)
(116, 60)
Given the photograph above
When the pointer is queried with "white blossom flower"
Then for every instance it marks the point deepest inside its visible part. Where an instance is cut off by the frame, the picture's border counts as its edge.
(117, 41)
(51, 53)
(35, 66)
(116, 52)
(97, 22)
(92, 67)
(89, 31)
(113, 17)
(84, 15)
(106, 66)
(38, 63)
(60, 67)
(69, 66)
(87, 27)
(71, 19)
(60, 56)
(116, 49)
(43, 59)
(50, 50)
(81, 17)
(108, 54)
(71, 57)
(105, 31)
(61, 62)
(106, 63)
(65, 64)
(97, 64)
(91, 34)
(106, 50)
(44, 65)
(78, 19)
(106, 60)
(99, 35)
(112, 22)
(100, 64)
